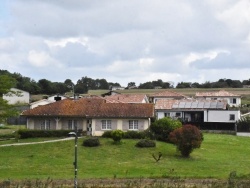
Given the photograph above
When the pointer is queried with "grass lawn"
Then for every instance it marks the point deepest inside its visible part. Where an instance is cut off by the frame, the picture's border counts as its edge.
(218, 156)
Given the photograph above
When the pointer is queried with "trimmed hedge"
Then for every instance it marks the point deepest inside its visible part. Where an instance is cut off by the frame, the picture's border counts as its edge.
(91, 142)
(129, 134)
(24, 133)
(145, 143)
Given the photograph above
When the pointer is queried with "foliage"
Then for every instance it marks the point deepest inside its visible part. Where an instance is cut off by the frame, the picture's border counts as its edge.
(91, 142)
(145, 143)
(26, 133)
(135, 134)
(6, 110)
(117, 135)
(161, 128)
(186, 139)
(243, 124)
(107, 134)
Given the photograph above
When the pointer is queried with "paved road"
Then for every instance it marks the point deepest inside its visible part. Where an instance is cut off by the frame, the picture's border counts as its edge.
(42, 142)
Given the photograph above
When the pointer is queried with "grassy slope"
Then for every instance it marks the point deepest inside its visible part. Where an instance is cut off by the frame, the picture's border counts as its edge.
(218, 156)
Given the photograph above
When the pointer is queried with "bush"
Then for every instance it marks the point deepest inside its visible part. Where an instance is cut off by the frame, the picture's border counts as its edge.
(243, 124)
(91, 142)
(186, 139)
(135, 134)
(107, 134)
(145, 143)
(161, 128)
(117, 135)
(26, 133)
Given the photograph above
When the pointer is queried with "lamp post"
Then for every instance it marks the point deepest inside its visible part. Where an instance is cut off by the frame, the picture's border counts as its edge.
(73, 89)
(75, 162)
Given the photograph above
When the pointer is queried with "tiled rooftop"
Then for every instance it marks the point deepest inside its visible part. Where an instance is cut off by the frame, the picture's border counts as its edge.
(221, 93)
(125, 98)
(92, 107)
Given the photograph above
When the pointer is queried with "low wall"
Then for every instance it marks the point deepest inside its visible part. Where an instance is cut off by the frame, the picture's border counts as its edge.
(242, 134)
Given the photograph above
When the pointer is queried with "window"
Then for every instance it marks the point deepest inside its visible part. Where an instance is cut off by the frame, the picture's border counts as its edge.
(167, 114)
(178, 114)
(133, 124)
(233, 100)
(106, 124)
(45, 125)
(231, 117)
(72, 124)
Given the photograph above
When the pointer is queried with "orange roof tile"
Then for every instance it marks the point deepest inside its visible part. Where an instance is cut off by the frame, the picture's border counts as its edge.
(125, 98)
(92, 107)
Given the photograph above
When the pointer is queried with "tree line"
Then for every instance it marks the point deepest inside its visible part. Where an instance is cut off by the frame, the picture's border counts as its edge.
(44, 86)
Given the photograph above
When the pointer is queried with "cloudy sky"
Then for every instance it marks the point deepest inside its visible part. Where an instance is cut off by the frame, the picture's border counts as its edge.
(126, 40)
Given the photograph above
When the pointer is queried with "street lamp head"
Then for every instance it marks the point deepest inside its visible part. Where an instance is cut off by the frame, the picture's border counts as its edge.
(72, 134)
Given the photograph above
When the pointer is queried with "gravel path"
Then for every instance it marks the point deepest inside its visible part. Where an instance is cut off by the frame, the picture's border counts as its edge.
(42, 142)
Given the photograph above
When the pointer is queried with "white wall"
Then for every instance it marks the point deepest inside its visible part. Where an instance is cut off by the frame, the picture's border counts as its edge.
(14, 99)
(221, 116)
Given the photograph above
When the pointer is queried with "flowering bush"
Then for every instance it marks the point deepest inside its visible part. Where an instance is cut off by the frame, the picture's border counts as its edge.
(186, 139)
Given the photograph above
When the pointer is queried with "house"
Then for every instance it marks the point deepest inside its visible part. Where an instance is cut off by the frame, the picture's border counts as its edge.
(165, 95)
(18, 96)
(127, 98)
(207, 114)
(233, 100)
(49, 100)
(90, 114)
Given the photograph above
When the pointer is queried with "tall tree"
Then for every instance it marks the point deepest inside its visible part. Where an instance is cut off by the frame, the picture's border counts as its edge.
(6, 110)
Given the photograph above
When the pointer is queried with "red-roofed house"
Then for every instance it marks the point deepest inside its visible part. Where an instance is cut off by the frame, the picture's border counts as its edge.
(232, 99)
(90, 114)
(165, 95)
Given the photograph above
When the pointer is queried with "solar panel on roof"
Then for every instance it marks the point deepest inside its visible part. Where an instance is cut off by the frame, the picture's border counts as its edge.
(207, 105)
(213, 104)
(220, 105)
(188, 105)
(181, 104)
(194, 104)
(175, 105)
(201, 104)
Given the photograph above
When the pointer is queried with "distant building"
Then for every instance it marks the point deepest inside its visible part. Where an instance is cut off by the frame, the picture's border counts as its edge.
(19, 96)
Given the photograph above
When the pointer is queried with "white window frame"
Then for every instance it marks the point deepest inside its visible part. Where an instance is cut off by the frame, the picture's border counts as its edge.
(133, 125)
(72, 124)
(106, 125)
(45, 125)
(167, 114)
(233, 100)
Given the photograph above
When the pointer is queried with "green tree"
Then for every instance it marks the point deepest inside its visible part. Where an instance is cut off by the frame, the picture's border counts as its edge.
(6, 110)
(161, 128)
(186, 139)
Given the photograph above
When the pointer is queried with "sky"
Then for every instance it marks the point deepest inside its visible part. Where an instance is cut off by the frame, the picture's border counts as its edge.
(126, 40)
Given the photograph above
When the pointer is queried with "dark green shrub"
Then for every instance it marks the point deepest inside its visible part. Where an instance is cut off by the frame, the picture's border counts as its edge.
(161, 128)
(135, 134)
(243, 124)
(186, 139)
(26, 133)
(91, 142)
(117, 135)
(145, 143)
(107, 134)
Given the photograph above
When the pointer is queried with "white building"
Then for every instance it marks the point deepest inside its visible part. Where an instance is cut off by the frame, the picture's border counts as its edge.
(18, 96)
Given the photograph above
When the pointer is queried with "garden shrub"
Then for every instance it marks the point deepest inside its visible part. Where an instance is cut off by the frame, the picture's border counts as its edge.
(161, 128)
(186, 139)
(117, 135)
(243, 124)
(107, 134)
(135, 135)
(145, 143)
(91, 142)
(26, 133)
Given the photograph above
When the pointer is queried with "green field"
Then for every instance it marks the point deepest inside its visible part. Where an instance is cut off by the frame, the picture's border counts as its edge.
(218, 156)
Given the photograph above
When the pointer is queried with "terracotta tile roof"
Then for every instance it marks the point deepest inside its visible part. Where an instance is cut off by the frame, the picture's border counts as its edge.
(221, 93)
(169, 94)
(190, 104)
(92, 107)
(125, 98)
